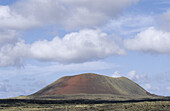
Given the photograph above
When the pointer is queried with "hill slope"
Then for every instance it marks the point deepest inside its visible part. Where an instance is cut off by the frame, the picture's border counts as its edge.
(93, 84)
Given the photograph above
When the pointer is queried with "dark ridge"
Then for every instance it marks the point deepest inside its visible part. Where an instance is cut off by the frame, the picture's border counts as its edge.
(79, 101)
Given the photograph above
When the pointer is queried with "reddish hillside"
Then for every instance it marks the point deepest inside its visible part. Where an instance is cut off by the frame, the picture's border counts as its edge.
(92, 84)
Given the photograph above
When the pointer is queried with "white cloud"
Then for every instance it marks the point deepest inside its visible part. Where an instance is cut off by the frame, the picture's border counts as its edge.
(129, 25)
(68, 13)
(40, 83)
(150, 40)
(147, 86)
(13, 54)
(156, 84)
(116, 74)
(68, 68)
(136, 77)
(164, 20)
(168, 88)
(12, 49)
(94, 12)
(9, 19)
(56, 68)
(4, 87)
(81, 46)
(132, 74)
(7, 37)
(76, 47)
(16, 89)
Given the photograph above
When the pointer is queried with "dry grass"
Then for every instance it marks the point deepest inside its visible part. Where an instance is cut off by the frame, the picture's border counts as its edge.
(140, 106)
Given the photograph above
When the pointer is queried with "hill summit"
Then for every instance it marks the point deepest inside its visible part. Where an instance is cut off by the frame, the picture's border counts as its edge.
(90, 83)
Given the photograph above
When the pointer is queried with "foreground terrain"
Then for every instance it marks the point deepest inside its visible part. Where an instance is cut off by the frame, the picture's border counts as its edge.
(156, 104)
(139, 106)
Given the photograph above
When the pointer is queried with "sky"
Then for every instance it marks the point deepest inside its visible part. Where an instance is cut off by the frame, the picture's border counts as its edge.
(43, 40)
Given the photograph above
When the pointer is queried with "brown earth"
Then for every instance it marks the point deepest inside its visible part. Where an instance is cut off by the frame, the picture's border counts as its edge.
(93, 84)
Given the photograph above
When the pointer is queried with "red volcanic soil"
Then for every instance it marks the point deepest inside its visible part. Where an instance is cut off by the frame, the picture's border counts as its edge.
(92, 84)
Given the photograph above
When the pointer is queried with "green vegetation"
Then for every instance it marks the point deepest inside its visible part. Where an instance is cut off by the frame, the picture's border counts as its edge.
(139, 106)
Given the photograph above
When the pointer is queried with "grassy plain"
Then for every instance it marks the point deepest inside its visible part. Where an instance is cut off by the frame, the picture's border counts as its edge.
(85, 103)
(138, 106)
